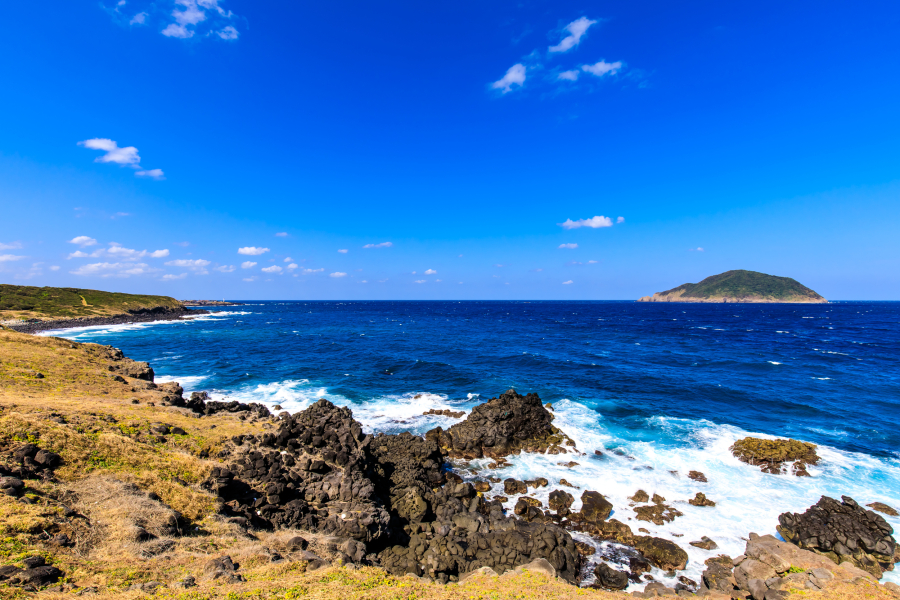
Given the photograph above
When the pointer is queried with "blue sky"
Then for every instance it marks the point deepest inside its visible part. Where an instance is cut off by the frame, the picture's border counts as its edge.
(534, 150)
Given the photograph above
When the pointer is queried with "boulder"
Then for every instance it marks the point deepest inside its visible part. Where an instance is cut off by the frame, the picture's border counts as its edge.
(884, 508)
(664, 554)
(657, 513)
(609, 578)
(506, 425)
(701, 500)
(560, 501)
(697, 476)
(844, 532)
(705, 543)
(594, 507)
(775, 456)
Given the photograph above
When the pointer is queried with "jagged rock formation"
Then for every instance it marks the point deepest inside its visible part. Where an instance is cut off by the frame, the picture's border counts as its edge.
(843, 532)
(321, 473)
(774, 456)
(502, 426)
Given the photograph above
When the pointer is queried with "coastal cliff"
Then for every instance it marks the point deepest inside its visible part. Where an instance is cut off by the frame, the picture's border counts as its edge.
(740, 287)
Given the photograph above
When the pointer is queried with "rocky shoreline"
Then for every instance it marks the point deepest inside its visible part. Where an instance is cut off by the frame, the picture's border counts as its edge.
(138, 316)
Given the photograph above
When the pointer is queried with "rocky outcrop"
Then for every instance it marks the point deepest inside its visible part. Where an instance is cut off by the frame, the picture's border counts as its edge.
(609, 578)
(770, 570)
(776, 456)
(387, 493)
(843, 532)
(161, 313)
(502, 426)
(664, 554)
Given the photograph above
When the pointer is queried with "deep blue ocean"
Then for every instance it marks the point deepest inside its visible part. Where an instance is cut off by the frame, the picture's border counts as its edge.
(659, 389)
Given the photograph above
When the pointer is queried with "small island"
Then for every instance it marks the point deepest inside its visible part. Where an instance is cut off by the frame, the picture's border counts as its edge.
(740, 286)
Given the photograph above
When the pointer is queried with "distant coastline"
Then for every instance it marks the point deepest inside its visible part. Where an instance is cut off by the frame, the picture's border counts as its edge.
(744, 287)
(158, 314)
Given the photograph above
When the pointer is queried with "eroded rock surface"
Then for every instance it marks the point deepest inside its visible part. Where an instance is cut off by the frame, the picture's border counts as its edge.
(502, 426)
(844, 532)
(775, 456)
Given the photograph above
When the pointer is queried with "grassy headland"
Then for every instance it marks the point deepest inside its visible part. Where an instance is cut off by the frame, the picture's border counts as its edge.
(28, 302)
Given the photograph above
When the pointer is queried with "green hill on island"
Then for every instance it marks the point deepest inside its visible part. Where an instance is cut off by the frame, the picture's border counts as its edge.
(739, 286)
(28, 302)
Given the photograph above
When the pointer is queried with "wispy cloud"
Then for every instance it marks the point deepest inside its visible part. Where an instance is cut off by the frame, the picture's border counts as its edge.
(568, 246)
(311, 271)
(594, 223)
(571, 75)
(83, 241)
(183, 244)
(420, 281)
(196, 264)
(156, 174)
(337, 275)
(602, 68)
(252, 251)
(248, 264)
(431, 272)
(569, 282)
(576, 29)
(225, 269)
(515, 76)
(11, 246)
(381, 245)
(620, 220)
(116, 251)
(343, 251)
(592, 262)
(10, 257)
(189, 14)
(281, 234)
(696, 250)
(170, 277)
(125, 156)
(272, 269)
(118, 269)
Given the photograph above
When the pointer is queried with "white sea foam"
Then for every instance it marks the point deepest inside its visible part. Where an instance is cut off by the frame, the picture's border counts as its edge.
(772, 362)
(190, 383)
(74, 333)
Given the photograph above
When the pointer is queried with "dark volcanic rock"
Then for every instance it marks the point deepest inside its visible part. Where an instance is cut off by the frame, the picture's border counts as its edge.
(701, 500)
(773, 456)
(506, 425)
(844, 532)
(666, 555)
(610, 579)
(560, 501)
(594, 507)
(387, 498)
(884, 508)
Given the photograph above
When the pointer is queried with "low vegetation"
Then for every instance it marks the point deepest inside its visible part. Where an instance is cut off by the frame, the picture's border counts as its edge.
(745, 284)
(133, 515)
(28, 302)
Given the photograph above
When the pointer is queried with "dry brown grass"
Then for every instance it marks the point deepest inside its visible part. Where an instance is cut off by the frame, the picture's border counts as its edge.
(112, 463)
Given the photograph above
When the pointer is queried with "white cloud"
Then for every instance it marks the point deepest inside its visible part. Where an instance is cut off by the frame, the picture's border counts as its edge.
(281, 234)
(194, 12)
(594, 223)
(620, 220)
(10, 257)
(343, 251)
(381, 245)
(311, 271)
(138, 19)
(228, 33)
(576, 29)
(292, 266)
(515, 75)
(225, 268)
(83, 240)
(592, 262)
(248, 265)
(54, 268)
(156, 174)
(198, 263)
(11, 246)
(120, 252)
(272, 269)
(568, 246)
(431, 272)
(169, 277)
(78, 254)
(337, 275)
(602, 68)
(571, 75)
(438, 280)
(288, 259)
(252, 251)
(250, 278)
(569, 282)
(697, 250)
(118, 269)
(420, 281)
(114, 154)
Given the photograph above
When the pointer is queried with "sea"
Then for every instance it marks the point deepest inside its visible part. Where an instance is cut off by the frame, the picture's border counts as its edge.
(659, 389)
